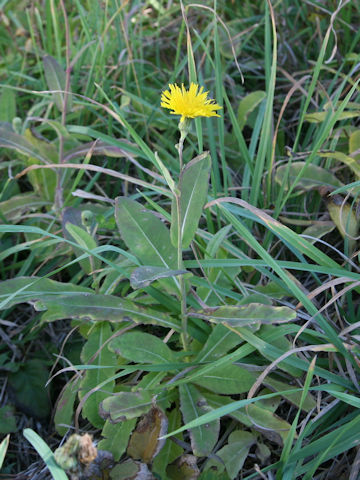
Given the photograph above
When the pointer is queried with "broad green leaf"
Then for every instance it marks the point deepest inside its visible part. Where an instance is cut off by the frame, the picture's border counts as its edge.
(255, 416)
(94, 307)
(65, 407)
(144, 234)
(14, 141)
(351, 162)
(281, 342)
(116, 437)
(223, 278)
(193, 405)
(272, 290)
(27, 289)
(56, 80)
(312, 176)
(295, 398)
(145, 442)
(354, 145)
(243, 315)
(131, 470)
(45, 453)
(99, 355)
(233, 454)
(248, 104)
(184, 468)
(318, 117)
(17, 206)
(7, 104)
(141, 347)
(7, 420)
(193, 186)
(263, 453)
(345, 218)
(85, 240)
(28, 387)
(171, 450)
(219, 342)
(216, 241)
(125, 406)
(228, 379)
(143, 276)
(318, 230)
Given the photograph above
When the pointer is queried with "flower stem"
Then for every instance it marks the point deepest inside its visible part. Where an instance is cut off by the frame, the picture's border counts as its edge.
(184, 319)
(184, 334)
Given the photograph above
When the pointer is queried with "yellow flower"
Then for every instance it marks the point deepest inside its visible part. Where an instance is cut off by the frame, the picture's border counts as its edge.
(189, 104)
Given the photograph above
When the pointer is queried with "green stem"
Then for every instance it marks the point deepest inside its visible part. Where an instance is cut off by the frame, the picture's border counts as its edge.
(184, 334)
(184, 320)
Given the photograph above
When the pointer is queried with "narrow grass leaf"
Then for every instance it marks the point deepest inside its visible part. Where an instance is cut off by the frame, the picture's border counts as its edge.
(45, 453)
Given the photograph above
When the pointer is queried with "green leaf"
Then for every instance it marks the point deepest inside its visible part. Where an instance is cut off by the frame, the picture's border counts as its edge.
(56, 80)
(233, 454)
(143, 276)
(146, 237)
(14, 141)
(193, 186)
(85, 240)
(295, 398)
(243, 315)
(171, 450)
(7, 104)
(131, 470)
(28, 387)
(92, 378)
(16, 206)
(166, 174)
(255, 416)
(45, 453)
(140, 347)
(184, 468)
(94, 307)
(248, 104)
(220, 341)
(318, 230)
(43, 180)
(228, 379)
(28, 289)
(7, 420)
(351, 162)
(144, 234)
(116, 437)
(312, 176)
(318, 117)
(3, 449)
(345, 219)
(354, 144)
(65, 407)
(193, 405)
(282, 343)
(145, 443)
(125, 406)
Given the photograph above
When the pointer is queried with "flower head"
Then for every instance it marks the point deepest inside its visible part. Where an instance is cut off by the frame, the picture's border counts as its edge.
(190, 103)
